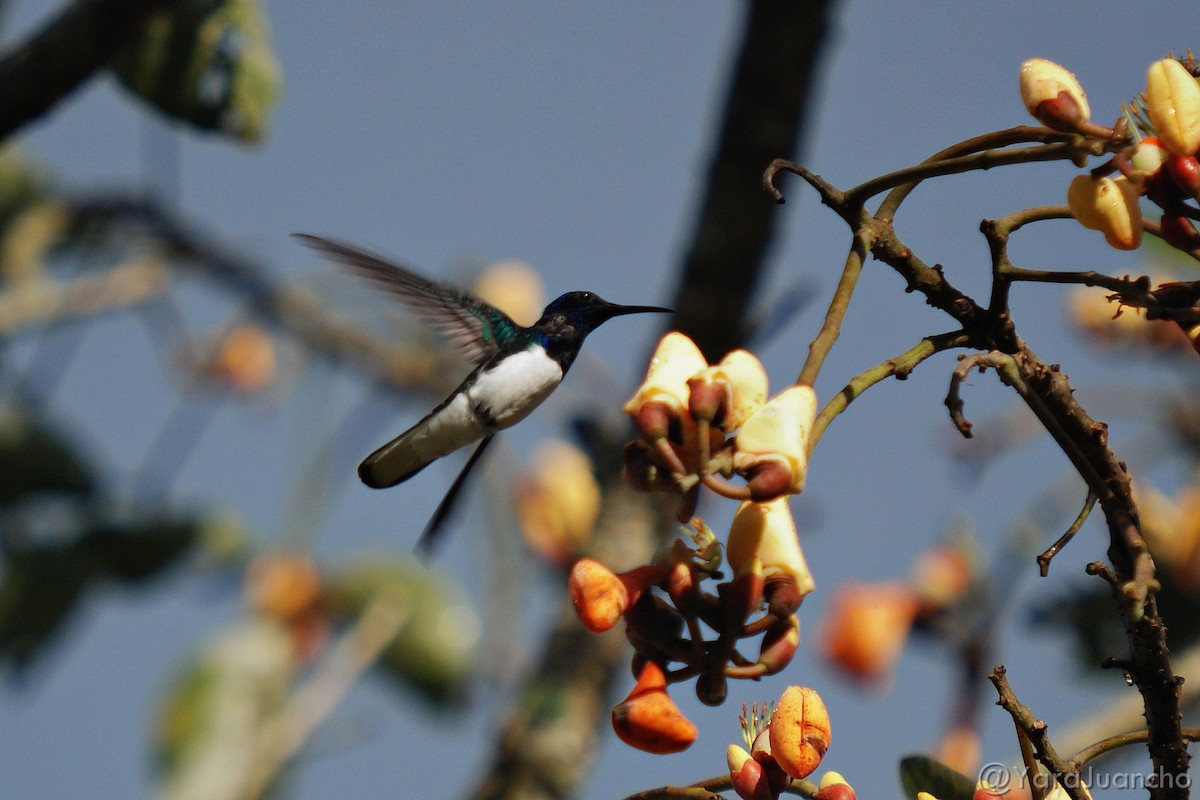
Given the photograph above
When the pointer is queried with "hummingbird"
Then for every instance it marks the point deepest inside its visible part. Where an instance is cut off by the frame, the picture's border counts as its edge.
(516, 367)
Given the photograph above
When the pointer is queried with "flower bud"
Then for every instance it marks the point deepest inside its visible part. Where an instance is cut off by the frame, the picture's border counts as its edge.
(675, 360)
(1053, 95)
(1108, 205)
(743, 386)
(1148, 156)
(747, 776)
(1173, 105)
(648, 719)
(601, 596)
(712, 688)
(779, 645)
(799, 731)
(771, 447)
(767, 532)
(834, 787)
(782, 594)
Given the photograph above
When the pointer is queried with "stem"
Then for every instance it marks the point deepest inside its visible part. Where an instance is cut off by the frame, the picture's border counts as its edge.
(986, 159)
(1065, 772)
(1010, 136)
(1044, 559)
(839, 304)
(900, 366)
(1121, 740)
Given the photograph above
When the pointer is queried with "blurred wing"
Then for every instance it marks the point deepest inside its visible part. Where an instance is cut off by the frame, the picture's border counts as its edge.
(467, 321)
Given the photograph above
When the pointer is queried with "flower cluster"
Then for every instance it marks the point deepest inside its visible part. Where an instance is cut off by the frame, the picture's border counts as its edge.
(783, 744)
(1162, 167)
(699, 425)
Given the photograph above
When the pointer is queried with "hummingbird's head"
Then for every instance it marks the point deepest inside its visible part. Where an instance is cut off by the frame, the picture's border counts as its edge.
(585, 311)
(570, 318)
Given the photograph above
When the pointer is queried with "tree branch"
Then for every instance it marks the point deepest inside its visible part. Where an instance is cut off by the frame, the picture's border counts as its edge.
(66, 52)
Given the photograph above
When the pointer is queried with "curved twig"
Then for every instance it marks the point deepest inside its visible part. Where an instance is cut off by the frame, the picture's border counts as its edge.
(1050, 552)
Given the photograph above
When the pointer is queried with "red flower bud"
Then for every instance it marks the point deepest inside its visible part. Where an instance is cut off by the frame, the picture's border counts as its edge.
(1185, 171)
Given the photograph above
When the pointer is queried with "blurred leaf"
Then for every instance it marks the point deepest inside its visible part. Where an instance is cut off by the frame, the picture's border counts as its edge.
(925, 774)
(39, 589)
(21, 183)
(433, 652)
(208, 734)
(210, 63)
(36, 458)
(1088, 612)
(41, 583)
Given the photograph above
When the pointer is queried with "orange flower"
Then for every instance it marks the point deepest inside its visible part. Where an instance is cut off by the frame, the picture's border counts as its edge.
(799, 731)
(767, 532)
(601, 596)
(867, 627)
(245, 359)
(283, 586)
(648, 719)
(940, 576)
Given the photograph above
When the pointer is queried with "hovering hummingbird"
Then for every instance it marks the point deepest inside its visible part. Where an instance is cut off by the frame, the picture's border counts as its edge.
(516, 367)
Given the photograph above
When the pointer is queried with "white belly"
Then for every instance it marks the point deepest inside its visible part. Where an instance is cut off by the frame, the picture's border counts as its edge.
(510, 390)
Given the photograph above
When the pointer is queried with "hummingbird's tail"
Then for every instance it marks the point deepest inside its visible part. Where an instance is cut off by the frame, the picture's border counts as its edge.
(382, 469)
(445, 429)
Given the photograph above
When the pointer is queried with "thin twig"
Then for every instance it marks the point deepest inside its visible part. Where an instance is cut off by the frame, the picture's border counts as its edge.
(954, 403)
(1121, 740)
(1064, 771)
(900, 366)
(1050, 552)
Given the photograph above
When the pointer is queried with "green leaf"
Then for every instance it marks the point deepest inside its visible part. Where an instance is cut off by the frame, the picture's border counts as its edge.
(42, 583)
(925, 774)
(433, 651)
(210, 63)
(35, 458)
(39, 590)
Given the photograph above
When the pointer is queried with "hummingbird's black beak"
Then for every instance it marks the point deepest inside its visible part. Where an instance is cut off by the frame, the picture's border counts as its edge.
(617, 310)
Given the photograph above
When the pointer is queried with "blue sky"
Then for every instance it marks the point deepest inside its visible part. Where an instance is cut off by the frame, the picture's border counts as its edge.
(574, 136)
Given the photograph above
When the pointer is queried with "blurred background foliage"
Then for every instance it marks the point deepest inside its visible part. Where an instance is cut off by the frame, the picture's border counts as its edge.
(243, 704)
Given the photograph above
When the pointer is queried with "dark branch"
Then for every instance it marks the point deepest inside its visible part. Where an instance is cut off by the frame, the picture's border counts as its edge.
(66, 52)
